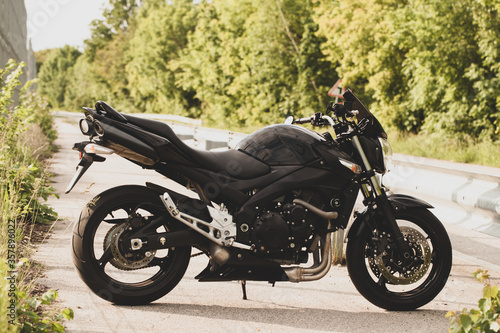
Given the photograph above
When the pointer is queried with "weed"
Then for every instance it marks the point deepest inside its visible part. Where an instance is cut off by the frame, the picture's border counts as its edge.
(486, 318)
(24, 142)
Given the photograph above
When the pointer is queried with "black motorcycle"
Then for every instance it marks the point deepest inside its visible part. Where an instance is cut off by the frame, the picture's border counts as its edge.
(264, 211)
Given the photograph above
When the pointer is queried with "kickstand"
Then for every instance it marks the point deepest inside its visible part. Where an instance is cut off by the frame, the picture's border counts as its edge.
(244, 288)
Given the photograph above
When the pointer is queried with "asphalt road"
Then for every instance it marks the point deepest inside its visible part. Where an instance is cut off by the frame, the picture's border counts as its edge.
(328, 305)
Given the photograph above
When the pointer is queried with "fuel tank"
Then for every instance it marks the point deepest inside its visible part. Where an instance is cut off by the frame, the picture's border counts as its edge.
(282, 145)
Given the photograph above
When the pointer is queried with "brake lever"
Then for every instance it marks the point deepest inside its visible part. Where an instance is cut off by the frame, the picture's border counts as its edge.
(317, 119)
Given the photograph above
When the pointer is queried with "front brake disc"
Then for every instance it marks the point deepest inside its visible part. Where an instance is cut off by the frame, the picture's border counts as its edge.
(410, 271)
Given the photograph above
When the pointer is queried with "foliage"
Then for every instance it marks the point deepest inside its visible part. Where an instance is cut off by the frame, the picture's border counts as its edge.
(41, 57)
(421, 66)
(254, 61)
(246, 63)
(116, 20)
(85, 87)
(427, 65)
(25, 181)
(486, 318)
(54, 75)
(99, 72)
(153, 71)
(31, 318)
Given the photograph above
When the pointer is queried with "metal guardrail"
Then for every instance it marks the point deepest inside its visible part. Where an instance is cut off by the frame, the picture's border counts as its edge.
(470, 193)
(472, 185)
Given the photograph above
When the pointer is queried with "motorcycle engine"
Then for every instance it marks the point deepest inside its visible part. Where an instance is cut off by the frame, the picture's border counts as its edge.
(284, 231)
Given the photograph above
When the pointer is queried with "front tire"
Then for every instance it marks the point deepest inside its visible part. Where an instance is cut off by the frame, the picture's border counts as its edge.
(391, 283)
(104, 264)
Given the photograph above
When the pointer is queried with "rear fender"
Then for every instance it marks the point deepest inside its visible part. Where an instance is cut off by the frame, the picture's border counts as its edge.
(399, 202)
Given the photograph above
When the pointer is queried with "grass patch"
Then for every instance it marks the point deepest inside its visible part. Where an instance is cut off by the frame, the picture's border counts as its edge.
(455, 149)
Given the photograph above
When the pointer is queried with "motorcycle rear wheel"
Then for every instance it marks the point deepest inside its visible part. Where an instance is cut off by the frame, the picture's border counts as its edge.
(391, 283)
(117, 275)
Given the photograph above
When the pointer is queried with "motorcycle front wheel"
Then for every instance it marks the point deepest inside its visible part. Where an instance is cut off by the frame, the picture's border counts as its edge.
(391, 282)
(103, 260)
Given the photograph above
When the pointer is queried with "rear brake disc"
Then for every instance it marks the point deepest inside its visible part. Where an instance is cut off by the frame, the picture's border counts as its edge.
(125, 261)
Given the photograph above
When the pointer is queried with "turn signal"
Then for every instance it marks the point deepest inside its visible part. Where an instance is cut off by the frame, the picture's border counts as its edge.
(93, 148)
(351, 166)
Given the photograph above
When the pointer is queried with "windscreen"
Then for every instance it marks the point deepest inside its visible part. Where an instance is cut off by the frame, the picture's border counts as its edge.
(352, 102)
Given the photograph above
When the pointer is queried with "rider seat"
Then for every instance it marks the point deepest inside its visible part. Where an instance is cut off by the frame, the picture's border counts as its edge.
(235, 162)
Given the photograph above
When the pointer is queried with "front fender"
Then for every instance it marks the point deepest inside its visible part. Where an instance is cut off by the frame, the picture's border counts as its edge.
(403, 201)
(399, 202)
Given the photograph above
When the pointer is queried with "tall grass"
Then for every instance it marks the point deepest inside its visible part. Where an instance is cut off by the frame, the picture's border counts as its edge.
(25, 135)
(463, 149)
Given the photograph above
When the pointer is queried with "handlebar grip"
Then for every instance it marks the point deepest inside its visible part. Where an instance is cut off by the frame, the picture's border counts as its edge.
(302, 120)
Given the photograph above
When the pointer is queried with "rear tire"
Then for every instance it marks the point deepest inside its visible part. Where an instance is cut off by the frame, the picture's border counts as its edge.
(394, 284)
(118, 276)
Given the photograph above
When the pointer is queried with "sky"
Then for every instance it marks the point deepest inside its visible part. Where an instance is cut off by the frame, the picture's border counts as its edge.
(55, 23)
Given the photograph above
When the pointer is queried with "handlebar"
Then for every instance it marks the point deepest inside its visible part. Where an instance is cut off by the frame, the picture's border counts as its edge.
(317, 119)
(340, 124)
(320, 119)
(340, 127)
(341, 110)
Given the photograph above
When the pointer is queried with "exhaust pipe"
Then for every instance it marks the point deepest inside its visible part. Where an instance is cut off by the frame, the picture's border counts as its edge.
(316, 210)
(317, 270)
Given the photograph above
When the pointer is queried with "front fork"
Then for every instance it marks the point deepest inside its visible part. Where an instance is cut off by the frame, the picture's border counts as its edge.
(376, 199)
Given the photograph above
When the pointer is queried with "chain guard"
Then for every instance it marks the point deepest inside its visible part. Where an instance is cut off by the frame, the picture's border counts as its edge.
(128, 261)
(397, 272)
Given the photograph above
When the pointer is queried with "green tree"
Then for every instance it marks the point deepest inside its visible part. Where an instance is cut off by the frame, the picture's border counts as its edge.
(117, 18)
(255, 61)
(422, 65)
(54, 75)
(161, 35)
(451, 65)
(360, 43)
(85, 87)
(102, 77)
(41, 56)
